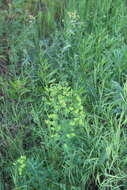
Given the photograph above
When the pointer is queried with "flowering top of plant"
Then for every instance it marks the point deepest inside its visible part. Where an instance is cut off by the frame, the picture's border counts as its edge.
(66, 117)
(73, 16)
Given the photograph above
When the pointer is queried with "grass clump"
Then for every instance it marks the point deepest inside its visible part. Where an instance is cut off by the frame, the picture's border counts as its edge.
(63, 90)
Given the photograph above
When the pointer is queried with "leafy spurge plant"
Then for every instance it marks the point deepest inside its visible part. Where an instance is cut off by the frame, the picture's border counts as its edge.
(66, 117)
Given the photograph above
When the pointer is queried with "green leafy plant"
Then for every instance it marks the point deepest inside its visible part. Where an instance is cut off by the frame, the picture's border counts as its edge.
(65, 116)
(18, 88)
(31, 173)
(63, 94)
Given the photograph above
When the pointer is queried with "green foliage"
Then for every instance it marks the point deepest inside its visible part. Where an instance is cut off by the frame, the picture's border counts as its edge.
(65, 115)
(30, 173)
(63, 95)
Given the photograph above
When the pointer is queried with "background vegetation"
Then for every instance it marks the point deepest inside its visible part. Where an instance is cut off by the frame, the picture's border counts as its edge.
(63, 95)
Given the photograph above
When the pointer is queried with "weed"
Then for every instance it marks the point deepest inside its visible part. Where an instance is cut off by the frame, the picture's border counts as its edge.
(63, 91)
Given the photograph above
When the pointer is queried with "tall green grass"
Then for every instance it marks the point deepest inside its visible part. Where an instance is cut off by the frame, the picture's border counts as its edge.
(63, 94)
